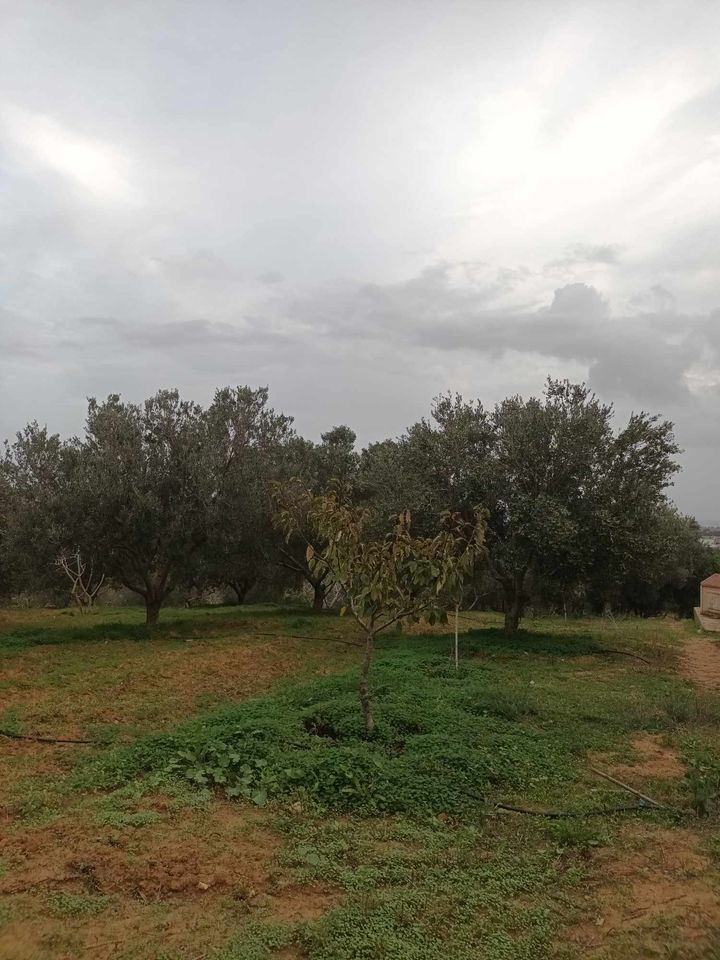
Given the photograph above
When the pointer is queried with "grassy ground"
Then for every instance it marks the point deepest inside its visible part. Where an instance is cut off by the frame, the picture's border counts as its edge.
(230, 808)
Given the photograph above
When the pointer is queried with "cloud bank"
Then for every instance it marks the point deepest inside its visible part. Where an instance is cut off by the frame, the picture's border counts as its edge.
(287, 194)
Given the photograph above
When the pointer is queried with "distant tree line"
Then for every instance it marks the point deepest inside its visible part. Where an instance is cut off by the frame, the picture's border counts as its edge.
(169, 496)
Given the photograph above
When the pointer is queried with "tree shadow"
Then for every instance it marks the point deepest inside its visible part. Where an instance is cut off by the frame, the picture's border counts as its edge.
(495, 640)
(195, 623)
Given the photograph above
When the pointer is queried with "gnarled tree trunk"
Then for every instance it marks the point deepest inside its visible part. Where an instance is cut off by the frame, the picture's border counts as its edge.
(152, 610)
(513, 589)
(155, 591)
(241, 588)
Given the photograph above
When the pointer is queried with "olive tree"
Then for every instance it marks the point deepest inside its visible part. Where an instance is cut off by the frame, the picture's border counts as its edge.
(315, 465)
(250, 442)
(399, 577)
(34, 471)
(565, 494)
(152, 483)
(140, 491)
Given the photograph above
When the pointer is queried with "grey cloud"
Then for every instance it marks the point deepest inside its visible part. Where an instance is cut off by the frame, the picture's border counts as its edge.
(644, 357)
(359, 224)
(180, 336)
(655, 300)
(578, 254)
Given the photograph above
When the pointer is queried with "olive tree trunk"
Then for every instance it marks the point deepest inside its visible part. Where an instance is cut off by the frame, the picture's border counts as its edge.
(155, 591)
(152, 610)
(241, 588)
(514, 602)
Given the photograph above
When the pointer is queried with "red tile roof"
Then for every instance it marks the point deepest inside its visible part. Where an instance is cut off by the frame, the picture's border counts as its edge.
(712, 581)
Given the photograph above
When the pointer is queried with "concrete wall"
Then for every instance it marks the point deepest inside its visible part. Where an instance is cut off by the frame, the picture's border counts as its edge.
(710, 601)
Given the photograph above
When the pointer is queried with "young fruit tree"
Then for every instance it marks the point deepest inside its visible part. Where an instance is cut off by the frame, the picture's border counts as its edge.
(400, 577)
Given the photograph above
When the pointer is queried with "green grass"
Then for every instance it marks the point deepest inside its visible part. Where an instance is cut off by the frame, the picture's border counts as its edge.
(403, 827)
(75, 905)
(68, 626)
(504, 727)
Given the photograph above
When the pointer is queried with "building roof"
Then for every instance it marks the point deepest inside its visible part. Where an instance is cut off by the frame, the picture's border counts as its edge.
(712, 581)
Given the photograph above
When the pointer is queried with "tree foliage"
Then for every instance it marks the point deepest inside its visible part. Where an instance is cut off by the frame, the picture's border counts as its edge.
(564, 494)
(166, 495)
(314, 466)
(383, 581)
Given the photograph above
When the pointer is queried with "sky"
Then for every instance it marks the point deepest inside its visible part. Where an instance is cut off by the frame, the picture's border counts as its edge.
(362, 205)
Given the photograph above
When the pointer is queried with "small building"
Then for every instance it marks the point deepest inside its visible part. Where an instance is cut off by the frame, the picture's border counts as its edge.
(710, 596)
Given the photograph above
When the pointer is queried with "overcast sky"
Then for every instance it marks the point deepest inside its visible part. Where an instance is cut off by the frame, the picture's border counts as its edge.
(363, 203)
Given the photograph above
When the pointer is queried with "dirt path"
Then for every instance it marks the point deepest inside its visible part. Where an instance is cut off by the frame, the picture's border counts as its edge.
(701, 662)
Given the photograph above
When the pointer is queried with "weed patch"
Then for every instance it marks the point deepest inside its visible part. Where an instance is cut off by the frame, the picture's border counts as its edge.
(76, 905)
(444, 741)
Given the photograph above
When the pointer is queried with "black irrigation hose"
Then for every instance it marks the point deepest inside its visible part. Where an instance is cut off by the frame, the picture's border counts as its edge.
(307, 636)
(23, 736)
(562, 814)
(622, 653)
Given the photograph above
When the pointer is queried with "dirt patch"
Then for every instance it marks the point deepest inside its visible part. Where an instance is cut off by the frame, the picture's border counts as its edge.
(124, 682)
(700, 662)
(668, 880)
(134, 688)
(117, 932)
(188, 878)
(655, 760)
(301, 903)
(186, 856)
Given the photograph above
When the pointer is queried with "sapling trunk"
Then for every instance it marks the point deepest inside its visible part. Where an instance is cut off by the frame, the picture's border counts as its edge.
(363, 690)
(318, 596)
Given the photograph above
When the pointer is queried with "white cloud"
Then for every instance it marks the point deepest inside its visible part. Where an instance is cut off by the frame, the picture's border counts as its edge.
(98, 168)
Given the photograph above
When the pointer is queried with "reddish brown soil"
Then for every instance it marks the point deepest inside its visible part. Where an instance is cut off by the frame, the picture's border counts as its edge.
(60, 691)
(655, 760)
(182, 884)
(668, 880)
(701, 662)
(166, 681)
(201, 870)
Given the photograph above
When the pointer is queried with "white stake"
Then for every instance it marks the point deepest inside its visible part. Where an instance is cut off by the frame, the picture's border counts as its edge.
(457, 651)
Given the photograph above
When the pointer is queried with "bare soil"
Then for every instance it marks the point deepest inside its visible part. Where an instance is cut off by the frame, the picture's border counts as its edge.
(655, 759)
(184, 880)
(663, 878)
(181, 884)
(700, 662)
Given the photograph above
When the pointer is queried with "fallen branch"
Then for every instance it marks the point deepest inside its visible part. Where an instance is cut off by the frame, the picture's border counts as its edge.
(619, 783)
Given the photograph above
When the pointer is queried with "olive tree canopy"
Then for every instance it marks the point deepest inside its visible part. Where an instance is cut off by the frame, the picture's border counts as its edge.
(564, 493)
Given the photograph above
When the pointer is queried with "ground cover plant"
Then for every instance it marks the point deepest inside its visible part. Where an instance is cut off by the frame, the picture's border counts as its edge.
(247, 815)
